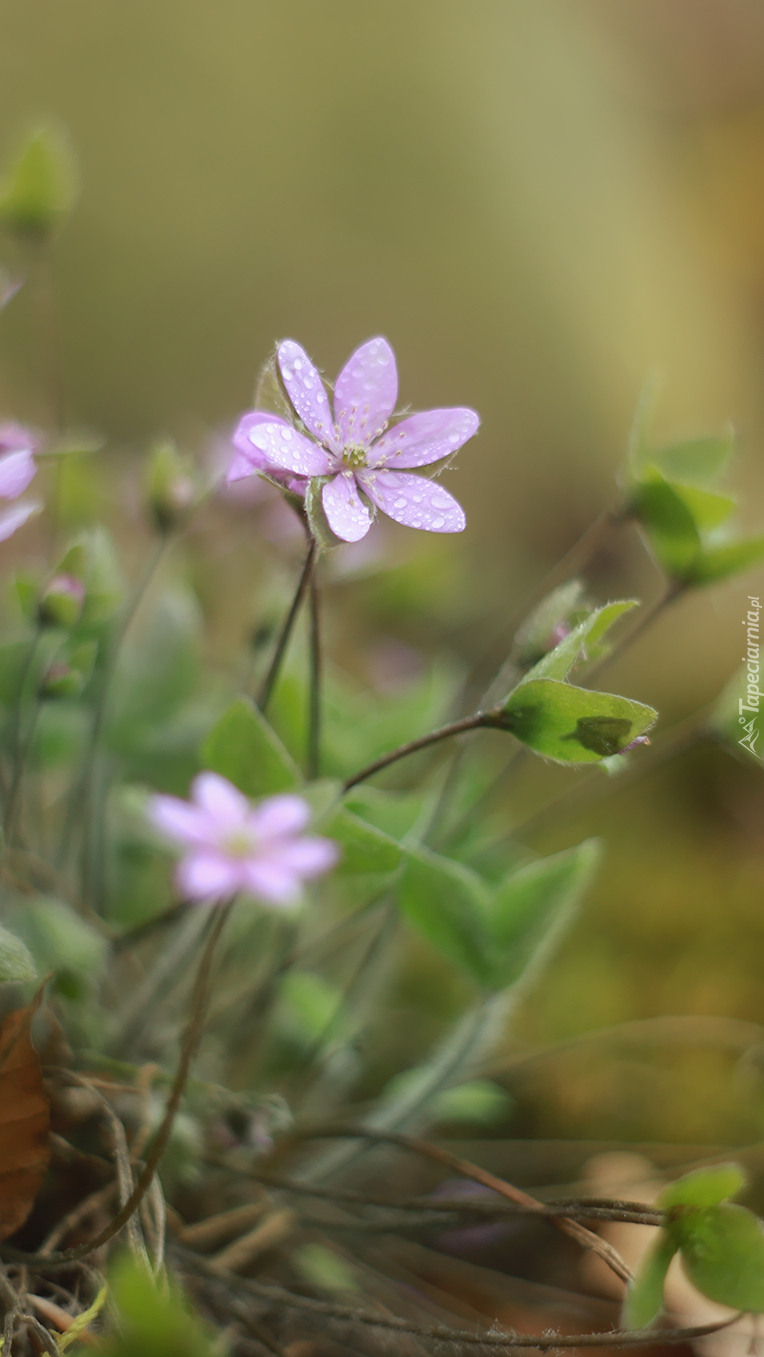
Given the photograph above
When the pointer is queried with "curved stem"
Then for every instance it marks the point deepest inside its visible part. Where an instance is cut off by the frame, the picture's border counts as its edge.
(474, 722)
(314, 713)
(269, 682)
(199, 1000)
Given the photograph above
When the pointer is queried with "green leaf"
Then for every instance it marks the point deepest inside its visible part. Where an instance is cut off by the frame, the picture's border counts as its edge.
(532, 905)
(269, 393)
(558, 663)
(242, 747)
(695, 459)
(709, 511)
(723, 1254)
(704, 1187)
(154, 1319)
(573, 725)
(365, 849)
(714, 563)
(670, 526)
(448, 904)
(60, 941)
(644, 1298)
(317, 520)
(41, 187)
(478, 1102)
(323, 1268)
(311, 1004)
(16, 960)
(531, 640)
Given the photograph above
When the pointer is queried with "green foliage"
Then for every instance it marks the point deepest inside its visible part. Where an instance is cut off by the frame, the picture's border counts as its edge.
(243, 747)
(448, 904)
(310, 1003)
(644, 1299)
(60, 941)
(562, 606)
(170, 485)
(721, 1243)
(40, 189)
(704, 1187)
(478, 1103)
(153, 1321)
(585, 642)
(683, 520)
(495, 934)
(16, 960)
(573, 725)
(365, 849)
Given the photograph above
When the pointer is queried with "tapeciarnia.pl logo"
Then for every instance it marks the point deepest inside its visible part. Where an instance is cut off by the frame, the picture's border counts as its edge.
(750, 703)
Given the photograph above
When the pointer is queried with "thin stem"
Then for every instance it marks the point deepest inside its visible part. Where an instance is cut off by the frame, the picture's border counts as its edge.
(269, 682)
(81, 798)
(199, 1001)
(586, 1238)
(442, 1333)
(314, 711)
(475, 722)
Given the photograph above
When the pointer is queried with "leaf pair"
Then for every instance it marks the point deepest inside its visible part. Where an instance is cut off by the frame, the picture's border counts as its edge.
(684, 521)
(494, 933)
(721, 1246)
(570, 724)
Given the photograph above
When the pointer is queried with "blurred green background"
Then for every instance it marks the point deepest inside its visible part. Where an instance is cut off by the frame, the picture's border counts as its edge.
(538, 202)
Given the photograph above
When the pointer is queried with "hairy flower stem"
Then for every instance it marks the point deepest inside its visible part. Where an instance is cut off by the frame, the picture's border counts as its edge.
(269, 682)
(314, 710)
(477, 721)
(199, 1002)
(18, 746)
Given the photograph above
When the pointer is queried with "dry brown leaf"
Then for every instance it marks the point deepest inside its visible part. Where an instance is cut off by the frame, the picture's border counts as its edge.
(24, 1120)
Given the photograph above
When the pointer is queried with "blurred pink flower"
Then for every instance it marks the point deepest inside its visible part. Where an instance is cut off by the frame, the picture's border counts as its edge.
(17, 471)
(353, 444)
(230, 846)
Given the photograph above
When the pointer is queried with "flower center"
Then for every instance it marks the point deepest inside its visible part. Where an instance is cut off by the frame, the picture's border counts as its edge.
(354, 456)
(240, 843)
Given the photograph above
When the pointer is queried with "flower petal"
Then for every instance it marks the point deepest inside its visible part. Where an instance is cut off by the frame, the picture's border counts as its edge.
(271, 881)
(223, 802)
(365, 393)
(244, 445)
(16, 437)
(280, 815)
(282, 446)
(348, 517)
(179, 820)
(413, 500)
(17, 470)
(309, 856)
(424, 438)
(208, 876)
(307, 392)
(13, 519)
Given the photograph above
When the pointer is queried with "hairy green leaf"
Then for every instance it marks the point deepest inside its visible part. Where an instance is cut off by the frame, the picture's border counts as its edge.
(448, 904)
(558, 663)
(704, 1187)
(16, 960)
(573, 725)
(531, 906)
(644, 1298)
(718, 562)
(723, 1254)
(695, 459)
(242, 747)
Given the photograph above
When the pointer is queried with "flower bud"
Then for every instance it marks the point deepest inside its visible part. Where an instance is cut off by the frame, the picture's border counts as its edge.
(171, 485)
(61, 603)
(40, 189)
(60, 680)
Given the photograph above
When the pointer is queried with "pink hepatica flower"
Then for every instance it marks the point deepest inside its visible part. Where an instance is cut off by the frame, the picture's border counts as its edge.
(229, 845)
(353, 445)
(17, 470)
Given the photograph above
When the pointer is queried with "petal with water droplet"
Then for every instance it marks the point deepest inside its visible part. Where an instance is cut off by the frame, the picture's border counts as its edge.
(413, 500)
(347, 515)
(424, 438)
(366, 392)
(282, 446)
(307, 392)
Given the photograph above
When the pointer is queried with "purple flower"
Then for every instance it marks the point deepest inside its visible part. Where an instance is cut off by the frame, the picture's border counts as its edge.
(354, 446)
(231, 846)
(17, 470)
